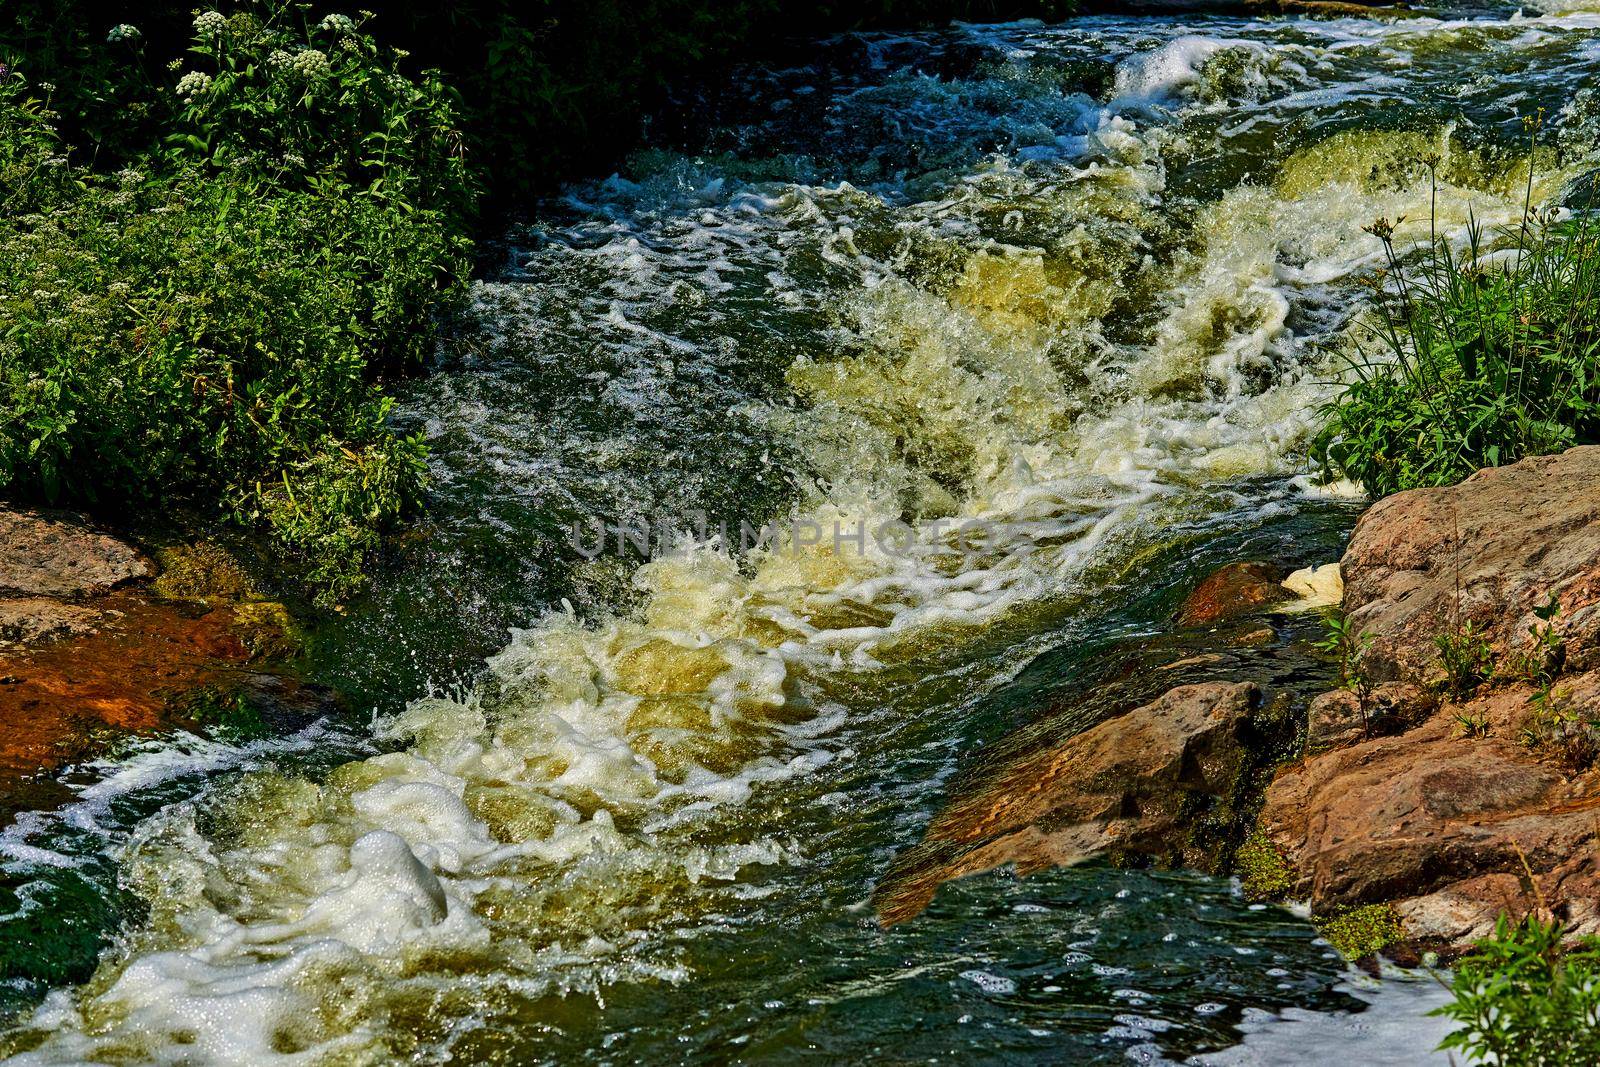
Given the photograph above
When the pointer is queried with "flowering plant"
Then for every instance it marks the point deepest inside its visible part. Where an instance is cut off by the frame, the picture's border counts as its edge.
(302, 99)
(207, 323)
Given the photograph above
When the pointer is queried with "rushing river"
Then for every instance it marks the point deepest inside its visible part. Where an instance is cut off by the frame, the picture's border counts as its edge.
(1048, 311)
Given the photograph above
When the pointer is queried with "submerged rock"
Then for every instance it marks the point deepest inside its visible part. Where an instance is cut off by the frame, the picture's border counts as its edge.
(1138, 786)
(1232, 591)
(34, 620)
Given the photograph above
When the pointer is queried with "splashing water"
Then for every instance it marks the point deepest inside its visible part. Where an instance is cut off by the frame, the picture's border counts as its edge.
(1076, 286)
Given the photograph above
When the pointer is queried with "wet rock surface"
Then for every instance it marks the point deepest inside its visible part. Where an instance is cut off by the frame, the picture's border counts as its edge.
(1451, 802)
(1234, 591)
(1483, 798)
(1133, 784)
(90, 652)
(1158, 760)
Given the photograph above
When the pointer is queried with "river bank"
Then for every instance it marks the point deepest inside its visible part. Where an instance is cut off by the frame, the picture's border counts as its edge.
(101, 640)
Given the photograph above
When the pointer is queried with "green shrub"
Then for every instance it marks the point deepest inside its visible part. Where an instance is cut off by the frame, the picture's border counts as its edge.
(1524, 999)
(1480, 361)
(210, 326)
(316, 103)
(1465, 656)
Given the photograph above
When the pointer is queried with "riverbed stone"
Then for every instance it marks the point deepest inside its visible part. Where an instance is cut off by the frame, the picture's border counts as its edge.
(1233, 591)
(1137, 787)
(32, 620)
(57, 554)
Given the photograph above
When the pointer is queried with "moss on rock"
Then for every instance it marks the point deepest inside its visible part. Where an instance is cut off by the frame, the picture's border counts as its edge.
(1361, 932)
(1263, 872)
(202, 571)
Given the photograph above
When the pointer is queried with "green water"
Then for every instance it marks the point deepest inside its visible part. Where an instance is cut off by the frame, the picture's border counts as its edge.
(1079, 288)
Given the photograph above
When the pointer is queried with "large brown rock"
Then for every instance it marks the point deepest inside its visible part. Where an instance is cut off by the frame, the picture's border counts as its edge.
(1136, 785)
(1489, 551)
(1456, 819)
(1398, 816)
(58, 555)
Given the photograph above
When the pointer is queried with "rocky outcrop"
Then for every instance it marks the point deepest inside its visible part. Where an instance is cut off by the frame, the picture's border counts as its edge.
(1137, 786)
(1481, 798)
(1487, 552)
(59, 555)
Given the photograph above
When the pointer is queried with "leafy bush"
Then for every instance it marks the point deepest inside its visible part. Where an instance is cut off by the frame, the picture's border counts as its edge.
(1524, 999)
(1485, 359)
(317, 103)
(210, 324)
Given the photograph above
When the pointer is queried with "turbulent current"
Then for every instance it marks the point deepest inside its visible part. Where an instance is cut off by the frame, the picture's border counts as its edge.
(1001, 331)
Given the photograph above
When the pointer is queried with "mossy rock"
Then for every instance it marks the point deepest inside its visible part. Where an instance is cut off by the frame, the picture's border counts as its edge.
(1358, 933)
(202, 571)
(268, 630)
(1263, 872)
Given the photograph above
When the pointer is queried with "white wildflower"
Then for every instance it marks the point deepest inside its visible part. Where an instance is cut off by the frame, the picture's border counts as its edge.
(311, 63)
(339, 24)
(193, 84)
(123, 32)
(175, 66)
(279, 58)
(210, 24)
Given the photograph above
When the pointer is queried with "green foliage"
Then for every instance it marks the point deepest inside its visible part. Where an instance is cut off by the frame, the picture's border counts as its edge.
(1263, 872)
(1341, 642)
(1361, 932)
(1522, 998)
(1540, 662)
(1471, 723)
(317, 104)
(1566, 729)
(1466, 657)
(209, 325)
(1478, 362)
(332, 507)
